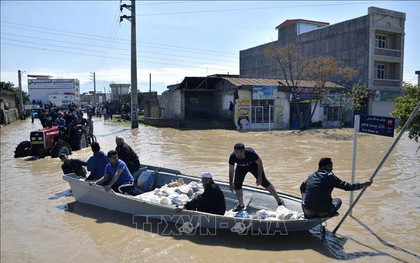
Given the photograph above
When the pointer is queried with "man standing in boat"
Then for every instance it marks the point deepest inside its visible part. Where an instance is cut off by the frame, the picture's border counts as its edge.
(316, 191)
(116, 170)
(247, 160)
(127, 154)
(212, 200)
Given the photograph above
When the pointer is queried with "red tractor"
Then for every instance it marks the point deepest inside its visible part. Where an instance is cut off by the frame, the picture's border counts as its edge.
(51, 141)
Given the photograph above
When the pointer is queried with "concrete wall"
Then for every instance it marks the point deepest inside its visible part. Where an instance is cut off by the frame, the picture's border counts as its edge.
(347, 41)
(171, 104)
(8, 116)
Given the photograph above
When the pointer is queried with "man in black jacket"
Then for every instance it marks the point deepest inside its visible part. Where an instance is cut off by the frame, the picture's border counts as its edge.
(316, 191)
(211, 201)
(127, 154)
(72, 165)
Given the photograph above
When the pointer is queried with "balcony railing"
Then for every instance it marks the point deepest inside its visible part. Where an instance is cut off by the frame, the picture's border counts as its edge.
(388, 52)
(387, 83)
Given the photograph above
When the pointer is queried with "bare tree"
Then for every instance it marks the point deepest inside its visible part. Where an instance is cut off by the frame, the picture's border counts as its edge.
(294, 68)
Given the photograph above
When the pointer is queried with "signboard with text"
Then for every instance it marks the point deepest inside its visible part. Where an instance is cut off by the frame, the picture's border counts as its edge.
(378, 125)
(264, 93)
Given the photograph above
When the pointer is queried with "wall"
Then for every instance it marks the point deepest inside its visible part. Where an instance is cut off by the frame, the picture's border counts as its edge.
(8, 116)
(347, 41)
(171, 104)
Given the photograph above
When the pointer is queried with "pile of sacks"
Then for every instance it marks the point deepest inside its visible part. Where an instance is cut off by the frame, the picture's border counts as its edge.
(282, 213)
(174, 193)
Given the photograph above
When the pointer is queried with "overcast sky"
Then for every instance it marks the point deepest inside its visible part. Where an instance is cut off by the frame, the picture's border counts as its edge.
(71, 39)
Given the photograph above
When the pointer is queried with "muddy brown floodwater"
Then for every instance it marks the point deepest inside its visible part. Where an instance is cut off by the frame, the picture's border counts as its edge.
(38, 224)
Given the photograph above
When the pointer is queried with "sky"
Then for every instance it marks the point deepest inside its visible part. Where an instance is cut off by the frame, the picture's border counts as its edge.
(175, 39)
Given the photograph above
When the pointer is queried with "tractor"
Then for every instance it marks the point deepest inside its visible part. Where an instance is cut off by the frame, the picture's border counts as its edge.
(52, 141)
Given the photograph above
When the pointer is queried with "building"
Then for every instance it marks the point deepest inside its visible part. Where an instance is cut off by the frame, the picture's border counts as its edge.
(41, 87)
(226, 101)
(119, 90)
(90, 98)
(373, 44)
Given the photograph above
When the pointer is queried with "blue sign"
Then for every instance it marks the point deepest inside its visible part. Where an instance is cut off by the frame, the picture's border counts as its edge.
(383, 126)
(264, 93)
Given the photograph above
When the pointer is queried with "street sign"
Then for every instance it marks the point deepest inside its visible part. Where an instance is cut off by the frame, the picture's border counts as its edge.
(378, 125)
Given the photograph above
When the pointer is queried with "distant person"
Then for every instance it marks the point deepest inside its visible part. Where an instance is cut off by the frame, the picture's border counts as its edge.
(96, 164)
(127, 154)
(118, 175)
(72, 165)
(247, 160)
(212, 200)
(316, 191)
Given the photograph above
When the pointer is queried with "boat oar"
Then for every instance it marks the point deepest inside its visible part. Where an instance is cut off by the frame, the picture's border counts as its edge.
(413, 114)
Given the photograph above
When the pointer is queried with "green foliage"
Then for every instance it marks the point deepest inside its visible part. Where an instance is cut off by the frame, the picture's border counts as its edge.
(11, 87)
(405, 106)
(359, 95)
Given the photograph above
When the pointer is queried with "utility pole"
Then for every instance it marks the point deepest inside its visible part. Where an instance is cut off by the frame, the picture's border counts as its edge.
(94, 88)
(134, 97)
(21, 114)
(150, 82)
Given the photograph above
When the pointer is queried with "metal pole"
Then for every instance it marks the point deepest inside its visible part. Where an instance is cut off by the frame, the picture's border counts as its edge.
(20, 95)
(134, 98)
(353, 164)
(94, 90)
(150, 82)
(413, 114)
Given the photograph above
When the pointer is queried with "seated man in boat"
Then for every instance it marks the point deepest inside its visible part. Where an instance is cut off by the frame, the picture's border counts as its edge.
(116, 170)
(212, 200)
(127, 154)
(247, 160)
(72, 165)
(96, 163)
(316, 191)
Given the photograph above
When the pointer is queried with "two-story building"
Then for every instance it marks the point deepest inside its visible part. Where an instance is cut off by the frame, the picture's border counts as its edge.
(373, 44)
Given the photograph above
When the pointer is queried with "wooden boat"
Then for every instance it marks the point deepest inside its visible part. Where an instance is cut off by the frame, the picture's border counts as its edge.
(193, 221)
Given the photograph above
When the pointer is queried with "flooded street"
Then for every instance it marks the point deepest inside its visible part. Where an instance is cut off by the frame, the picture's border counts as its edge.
(40, 225)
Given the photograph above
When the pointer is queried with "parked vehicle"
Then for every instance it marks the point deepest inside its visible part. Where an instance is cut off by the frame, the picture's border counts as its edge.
(52, 141)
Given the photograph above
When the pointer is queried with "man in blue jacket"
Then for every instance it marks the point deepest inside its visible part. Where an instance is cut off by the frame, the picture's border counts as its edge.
(96, 163)
(316, 191)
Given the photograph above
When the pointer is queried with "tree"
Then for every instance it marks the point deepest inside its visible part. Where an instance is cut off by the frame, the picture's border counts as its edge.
(323, 70)
(359, 96)
(11, 87)
(295, 68)
(405, 105)
(292, 66)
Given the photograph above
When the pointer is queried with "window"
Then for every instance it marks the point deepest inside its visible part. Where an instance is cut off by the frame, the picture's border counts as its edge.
(380, 41)
(331, 113)
(379, 71)
(261, 111)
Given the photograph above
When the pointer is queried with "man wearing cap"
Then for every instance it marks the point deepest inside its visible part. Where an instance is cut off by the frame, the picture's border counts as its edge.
(316, 191)
(211, 201)
(247, 160)
(72, 165)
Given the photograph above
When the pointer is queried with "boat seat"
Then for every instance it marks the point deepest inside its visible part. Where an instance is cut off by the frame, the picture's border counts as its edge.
(144, 181)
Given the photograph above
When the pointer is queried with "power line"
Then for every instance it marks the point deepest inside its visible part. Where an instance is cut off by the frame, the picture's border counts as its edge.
(96, 37)
(247, 9)
(124, 49)
(125, 59)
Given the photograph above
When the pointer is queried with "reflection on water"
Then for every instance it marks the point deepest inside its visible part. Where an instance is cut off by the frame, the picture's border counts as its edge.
(39, 218)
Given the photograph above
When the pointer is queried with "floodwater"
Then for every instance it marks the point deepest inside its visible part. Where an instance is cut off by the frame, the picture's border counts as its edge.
(40, 224)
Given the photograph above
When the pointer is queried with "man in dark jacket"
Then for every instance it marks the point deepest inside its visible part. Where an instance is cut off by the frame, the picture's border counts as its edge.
(316, 191)
(127, 154)
(72, 165)
(211, 201)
